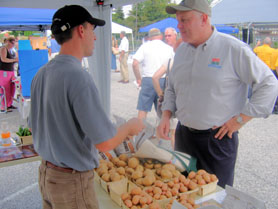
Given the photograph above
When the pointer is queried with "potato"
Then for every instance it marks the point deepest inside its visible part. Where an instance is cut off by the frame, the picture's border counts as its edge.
(129, 170)
(206, 177)
(201, 182)
(148, 180)
(198, 177)
(170, 167)
(166, 174)
(121, 163)
(147, 165)
(192, 185)
(139, 181)
(110, 165)
(106, 177)
(158, 171)
(136, 199)
(148, 172)
(182, 178)
(164, 187)
(156, 196)
(158, 183)
(125, 196)
(115, 160)
(133, 162)
(213, 177)
(136, 175)
(136, 191)
(102, 170)
(174, 191)
(143, 200)
(183, 189)
(115, 177)
(154, 205)
(139, 168)
(134, 207)
(121, 170)
(191, 175)
(176, 173)
(157, 190)
(128, 203)
(157, 165)
(123, 157)
(201, 172)
(168, 194)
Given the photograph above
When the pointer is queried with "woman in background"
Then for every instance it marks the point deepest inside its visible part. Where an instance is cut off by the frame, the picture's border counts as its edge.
(115, 51)
(7, 61)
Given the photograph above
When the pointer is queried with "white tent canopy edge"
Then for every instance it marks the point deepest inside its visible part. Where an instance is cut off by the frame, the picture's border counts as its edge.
(99, 63)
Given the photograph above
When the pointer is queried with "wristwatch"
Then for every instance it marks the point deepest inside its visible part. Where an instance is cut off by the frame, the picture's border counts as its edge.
(239, 119)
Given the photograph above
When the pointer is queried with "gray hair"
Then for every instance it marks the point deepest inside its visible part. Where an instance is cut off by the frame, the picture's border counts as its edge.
(123, 33)
(172, 29)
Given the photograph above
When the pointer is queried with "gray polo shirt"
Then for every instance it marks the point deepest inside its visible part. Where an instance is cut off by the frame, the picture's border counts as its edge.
(66, 116)
(208, 85)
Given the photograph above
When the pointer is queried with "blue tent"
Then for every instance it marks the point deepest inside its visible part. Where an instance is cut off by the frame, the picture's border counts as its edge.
(172, 22)
(25, 18)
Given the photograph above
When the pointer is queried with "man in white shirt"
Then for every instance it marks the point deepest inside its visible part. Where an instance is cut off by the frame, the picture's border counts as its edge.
(152, 55)
(123, 48)
(207, 91)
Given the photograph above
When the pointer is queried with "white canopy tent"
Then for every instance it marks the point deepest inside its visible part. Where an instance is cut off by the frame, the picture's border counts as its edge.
(99, 63)
(117, 29)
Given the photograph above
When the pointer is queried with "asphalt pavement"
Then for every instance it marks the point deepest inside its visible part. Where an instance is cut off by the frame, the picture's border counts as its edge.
(256, 167)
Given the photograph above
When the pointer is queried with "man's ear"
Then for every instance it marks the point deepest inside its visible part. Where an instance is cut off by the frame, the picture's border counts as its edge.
(204, 18)
(80, 31)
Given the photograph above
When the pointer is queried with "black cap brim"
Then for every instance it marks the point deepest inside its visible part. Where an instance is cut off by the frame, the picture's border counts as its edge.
(96, 22)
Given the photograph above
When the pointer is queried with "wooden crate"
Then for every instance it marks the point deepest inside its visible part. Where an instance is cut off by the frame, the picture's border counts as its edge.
(26, 140)
(207, 188)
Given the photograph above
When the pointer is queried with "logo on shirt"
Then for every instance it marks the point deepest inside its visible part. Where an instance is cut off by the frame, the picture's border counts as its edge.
(215, 63)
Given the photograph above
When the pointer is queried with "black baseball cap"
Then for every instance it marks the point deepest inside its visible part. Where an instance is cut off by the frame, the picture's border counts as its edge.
(70, 16)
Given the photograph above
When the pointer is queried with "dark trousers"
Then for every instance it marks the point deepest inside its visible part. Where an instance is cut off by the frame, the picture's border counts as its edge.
(213, 155)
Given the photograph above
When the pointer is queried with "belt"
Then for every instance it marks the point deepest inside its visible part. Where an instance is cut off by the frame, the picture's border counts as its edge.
(55, 167)
(198, 131)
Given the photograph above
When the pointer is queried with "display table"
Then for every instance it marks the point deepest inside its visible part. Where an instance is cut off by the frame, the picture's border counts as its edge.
(105, 202)
(15, 155)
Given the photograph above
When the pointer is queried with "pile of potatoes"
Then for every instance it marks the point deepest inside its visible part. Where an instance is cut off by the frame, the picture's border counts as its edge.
(201, 177)
(109, 173)
(185, 200)
(137, 198)
(162, 190)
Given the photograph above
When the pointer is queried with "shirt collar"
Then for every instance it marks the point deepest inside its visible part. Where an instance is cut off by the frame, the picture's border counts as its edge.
(210, 39)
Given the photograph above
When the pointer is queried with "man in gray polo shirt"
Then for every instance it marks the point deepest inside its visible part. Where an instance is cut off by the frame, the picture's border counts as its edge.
(208, 88)
(68, 123)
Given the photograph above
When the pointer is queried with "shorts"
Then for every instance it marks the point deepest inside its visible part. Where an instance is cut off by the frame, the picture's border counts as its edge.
(148, 95)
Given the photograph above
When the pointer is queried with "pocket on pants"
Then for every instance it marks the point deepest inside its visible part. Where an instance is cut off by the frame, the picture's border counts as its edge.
(89, 192)
(62, 192)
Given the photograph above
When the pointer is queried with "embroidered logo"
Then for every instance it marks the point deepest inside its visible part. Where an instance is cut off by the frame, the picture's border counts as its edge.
(215, 63)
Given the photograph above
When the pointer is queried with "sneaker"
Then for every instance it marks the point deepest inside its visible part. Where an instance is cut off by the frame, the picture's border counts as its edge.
(12, 107)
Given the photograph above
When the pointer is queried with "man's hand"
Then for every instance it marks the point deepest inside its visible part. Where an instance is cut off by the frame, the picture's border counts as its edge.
(135, 126)
(139, 82)
(164, 125)
(230, 126)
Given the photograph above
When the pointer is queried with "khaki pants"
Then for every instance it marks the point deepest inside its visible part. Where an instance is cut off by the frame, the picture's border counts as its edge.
(61, 190)
(124, 67)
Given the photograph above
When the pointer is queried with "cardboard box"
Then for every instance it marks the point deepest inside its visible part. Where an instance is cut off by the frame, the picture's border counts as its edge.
(38, 42)
(207, 189)
(26, 140)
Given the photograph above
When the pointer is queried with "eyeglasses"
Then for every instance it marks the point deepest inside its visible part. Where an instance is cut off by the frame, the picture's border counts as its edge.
(12, 42)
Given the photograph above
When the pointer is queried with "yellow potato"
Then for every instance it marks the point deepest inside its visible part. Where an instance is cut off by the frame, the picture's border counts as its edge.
(133, 162)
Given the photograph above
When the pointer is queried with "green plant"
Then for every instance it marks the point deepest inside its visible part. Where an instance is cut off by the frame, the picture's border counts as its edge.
(23, 131)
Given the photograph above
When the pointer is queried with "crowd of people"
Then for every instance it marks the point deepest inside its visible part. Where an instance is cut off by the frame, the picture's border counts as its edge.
(199, 83)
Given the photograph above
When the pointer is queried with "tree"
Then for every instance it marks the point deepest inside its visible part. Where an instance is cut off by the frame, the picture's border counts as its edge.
(118, 16)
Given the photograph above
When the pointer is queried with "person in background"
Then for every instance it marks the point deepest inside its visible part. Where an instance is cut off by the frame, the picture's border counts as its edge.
(152, 55)
(273, 67)
(123, 49)
(7, 61)
(171, 39)
(265, 51)
(54, 48)
(207, 90)
(170, 35)
(69, 125)
(115, 50)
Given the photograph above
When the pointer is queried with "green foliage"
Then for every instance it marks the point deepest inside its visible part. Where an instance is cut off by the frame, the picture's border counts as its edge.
(23, 131)
(118, 16)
